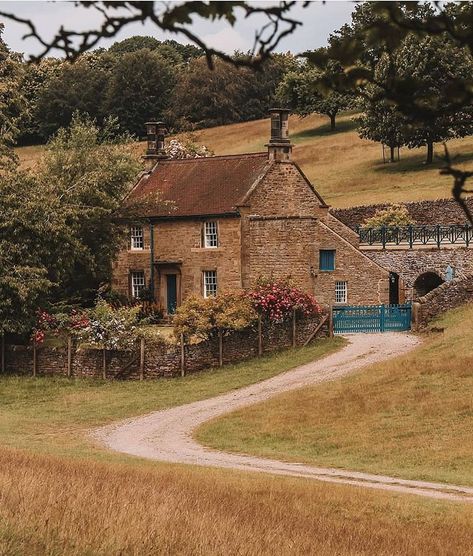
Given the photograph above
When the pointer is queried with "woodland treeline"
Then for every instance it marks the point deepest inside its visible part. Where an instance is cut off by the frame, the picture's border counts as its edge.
(141, 78)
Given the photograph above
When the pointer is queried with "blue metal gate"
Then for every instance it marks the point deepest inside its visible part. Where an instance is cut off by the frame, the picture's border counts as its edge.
(371, 318)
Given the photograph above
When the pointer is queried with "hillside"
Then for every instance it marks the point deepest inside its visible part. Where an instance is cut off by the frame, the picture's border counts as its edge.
(345, 169)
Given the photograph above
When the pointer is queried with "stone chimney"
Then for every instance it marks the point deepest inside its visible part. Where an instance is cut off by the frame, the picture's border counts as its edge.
(156, 133)
(279, 146)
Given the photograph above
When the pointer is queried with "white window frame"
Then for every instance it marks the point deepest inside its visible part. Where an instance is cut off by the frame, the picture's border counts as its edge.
(210, 234)
(137, 240)
(137, 282)
(341, 292)
(210, 283)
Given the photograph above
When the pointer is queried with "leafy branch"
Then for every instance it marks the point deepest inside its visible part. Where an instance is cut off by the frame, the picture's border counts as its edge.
(170, 17)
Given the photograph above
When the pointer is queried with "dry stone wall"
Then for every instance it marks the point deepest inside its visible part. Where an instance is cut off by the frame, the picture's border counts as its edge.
(424, 213)
(447, 296)
(161, 360)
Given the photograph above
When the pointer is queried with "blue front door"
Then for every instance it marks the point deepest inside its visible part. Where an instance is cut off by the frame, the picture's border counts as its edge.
(171, 288)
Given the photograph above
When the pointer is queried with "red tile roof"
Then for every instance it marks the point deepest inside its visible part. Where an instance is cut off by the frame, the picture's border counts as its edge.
(198, 186)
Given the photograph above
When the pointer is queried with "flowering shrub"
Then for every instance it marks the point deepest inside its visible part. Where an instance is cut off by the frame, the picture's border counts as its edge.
(109, 327)
(188, 148)
(72, 323)
(276, 301)
(204, 318)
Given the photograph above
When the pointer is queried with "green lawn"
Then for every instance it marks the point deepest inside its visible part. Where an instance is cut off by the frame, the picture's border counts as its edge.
(410, 417)
(51, 415)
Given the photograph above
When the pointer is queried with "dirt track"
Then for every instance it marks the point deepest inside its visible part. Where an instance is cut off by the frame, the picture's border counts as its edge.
(167, 435)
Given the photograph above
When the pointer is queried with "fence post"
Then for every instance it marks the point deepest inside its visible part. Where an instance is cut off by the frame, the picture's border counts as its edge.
(3, 353)
(294, 329)
(220, 348)
(438, 236)
(260, 336)
(330, 322)
(183, 357)
(69, 355)
(382, 319)
(35, 358)
(410, 236)
(104, 363)
(142, 358)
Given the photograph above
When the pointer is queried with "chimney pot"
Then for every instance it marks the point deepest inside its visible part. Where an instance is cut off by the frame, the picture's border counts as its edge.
(156, 134)
(279, 146)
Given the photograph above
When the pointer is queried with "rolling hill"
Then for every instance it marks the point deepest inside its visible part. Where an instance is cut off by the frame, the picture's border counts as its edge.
(345, 169)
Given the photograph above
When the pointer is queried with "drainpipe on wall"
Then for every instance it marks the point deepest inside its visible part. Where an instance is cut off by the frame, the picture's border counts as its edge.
(151, 258)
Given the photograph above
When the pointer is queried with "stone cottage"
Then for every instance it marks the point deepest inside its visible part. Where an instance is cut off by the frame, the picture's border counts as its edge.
(229, 220)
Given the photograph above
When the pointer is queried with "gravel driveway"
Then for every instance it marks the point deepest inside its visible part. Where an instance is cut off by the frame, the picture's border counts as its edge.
(167, 435)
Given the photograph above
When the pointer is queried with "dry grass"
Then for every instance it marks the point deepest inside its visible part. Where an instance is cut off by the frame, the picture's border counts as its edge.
(410, 417)
(345, 169)
(57, 506)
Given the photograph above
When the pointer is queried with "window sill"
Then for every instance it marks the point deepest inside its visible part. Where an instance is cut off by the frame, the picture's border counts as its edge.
(212, 249)
(144, 250)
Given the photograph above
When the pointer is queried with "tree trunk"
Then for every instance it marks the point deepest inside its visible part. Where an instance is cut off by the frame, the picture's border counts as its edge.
(3, 353)
(392, 151)
(104, 363)
(332, 121)
(430, 152)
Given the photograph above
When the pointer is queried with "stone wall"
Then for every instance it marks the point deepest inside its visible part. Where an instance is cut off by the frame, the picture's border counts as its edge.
(161, 360)
(440, 211)
(447, 296)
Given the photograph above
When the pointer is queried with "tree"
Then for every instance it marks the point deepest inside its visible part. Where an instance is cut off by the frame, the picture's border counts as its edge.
(170, 50)
(301, 91)
(140, 89)
(88, 170)
(12, 101)
(78, 87)
(432, 64)
(34, 79)
(382, 121)
(226, 94)
(34, 242)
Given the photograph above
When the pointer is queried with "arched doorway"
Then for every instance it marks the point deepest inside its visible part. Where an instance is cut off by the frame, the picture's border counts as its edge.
(426, 282)
(393, 288)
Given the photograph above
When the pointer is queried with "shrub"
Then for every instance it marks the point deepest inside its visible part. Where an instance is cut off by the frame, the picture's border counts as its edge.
(204, 318)
(109, 327)
(277, 301)
(391, 217)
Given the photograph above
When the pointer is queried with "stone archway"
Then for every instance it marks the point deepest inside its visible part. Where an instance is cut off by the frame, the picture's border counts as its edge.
(425, 283)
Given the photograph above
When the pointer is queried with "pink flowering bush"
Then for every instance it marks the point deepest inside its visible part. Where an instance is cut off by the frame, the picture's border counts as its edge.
(276, 301)
(72, 323)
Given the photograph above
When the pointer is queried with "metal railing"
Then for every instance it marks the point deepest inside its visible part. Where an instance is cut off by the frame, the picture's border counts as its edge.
(411, 236)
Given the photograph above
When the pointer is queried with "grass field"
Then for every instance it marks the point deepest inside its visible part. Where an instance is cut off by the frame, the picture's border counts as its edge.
(345, 169)
(52, 414)
(61, 495)
(59, 506)
(410, 417)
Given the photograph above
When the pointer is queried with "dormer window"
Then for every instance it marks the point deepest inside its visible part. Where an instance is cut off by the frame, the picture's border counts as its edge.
(210, 234)
(136, 235)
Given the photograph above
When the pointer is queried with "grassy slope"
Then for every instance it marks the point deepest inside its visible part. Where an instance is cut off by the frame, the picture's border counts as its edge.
(345, 169)
(411, 417)
(49, 414)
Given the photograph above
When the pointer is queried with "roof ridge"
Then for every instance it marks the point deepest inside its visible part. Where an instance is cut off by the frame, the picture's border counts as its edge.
(220, 157)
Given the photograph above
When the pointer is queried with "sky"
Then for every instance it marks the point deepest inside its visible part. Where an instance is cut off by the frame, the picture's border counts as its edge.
(318, 21)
